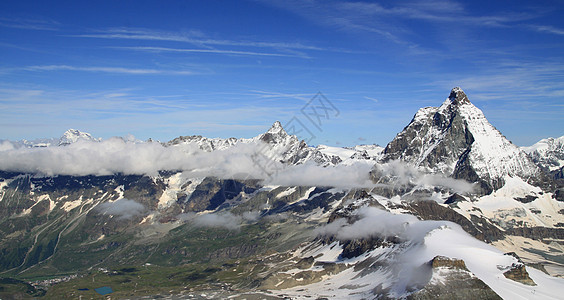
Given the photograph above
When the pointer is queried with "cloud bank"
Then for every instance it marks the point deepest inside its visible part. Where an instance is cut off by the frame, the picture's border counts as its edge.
(240, 161)
(117, 155)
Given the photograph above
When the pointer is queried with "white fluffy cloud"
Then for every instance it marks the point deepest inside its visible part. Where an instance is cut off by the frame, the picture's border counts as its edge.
(398, 173)
(117, 155)
(122, 208)
(373, 222)
(310, 174)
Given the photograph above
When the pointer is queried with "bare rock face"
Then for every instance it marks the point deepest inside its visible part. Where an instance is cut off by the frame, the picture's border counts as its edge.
(478, 227)
(518, 272)
(452, 263)
(452, 280)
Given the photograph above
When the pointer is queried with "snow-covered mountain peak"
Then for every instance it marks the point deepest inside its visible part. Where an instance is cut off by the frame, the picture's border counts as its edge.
(277, 128)
(277, 135)
(72, 136)
(458, 97)
(547, 153)
(457, 139)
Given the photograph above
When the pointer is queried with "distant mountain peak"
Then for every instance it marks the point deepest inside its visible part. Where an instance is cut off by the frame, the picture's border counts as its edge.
(73, 135)
(458, 97)
(276, 134)
(548, 154)
(277, 128)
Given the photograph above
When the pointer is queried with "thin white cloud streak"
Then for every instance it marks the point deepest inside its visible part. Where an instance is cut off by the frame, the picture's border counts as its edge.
(35, 112)
(130, 100)
(117, 70)
(277, 95)
(389, 21)
(435, 11)
(212, 51)
(30, 24)
(548, 29)
(511, 80)
(192, 38)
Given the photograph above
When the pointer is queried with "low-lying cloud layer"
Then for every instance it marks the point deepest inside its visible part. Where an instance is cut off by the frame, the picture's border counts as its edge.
(122, 208)
(373, 222)
(224, 220)
(117, 155)
(397, 174)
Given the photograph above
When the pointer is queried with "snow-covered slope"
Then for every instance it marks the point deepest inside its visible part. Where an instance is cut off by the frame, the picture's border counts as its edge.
(37, 143)
(204, 143)
(72, 136)
(348, 154)
(456, 139)
(547, 153)
(407, 260)
(275, 144)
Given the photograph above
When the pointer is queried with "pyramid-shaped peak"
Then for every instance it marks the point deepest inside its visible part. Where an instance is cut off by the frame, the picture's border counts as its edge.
(458, 97)
(276, 134)
(277, 128)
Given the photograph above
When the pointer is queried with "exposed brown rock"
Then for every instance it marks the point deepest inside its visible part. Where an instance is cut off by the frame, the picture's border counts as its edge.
(518, 273)
(442, 261)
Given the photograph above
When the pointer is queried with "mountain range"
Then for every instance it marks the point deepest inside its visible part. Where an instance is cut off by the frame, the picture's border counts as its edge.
(449, 208)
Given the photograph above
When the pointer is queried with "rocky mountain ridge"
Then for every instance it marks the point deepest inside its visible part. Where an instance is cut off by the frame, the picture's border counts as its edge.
(401, 236)
(456, 139)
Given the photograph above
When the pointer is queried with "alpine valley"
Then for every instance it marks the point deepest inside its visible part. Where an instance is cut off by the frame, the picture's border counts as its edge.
(448, 209)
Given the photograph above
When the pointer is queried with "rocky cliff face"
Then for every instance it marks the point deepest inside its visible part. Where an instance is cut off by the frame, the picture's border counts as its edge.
(457, 140)
(451, 280)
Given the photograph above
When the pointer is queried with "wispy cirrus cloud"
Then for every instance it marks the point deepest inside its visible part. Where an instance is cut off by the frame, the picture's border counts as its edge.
(38, 111)
(30, 23)
(191, 37)
(212, 51)
(389, 20)
(277, 95)
(434, 11)
(547, 29)
(117, 70)
(511, 80)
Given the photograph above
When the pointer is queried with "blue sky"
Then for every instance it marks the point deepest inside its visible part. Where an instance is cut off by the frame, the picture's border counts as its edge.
(160, 69)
